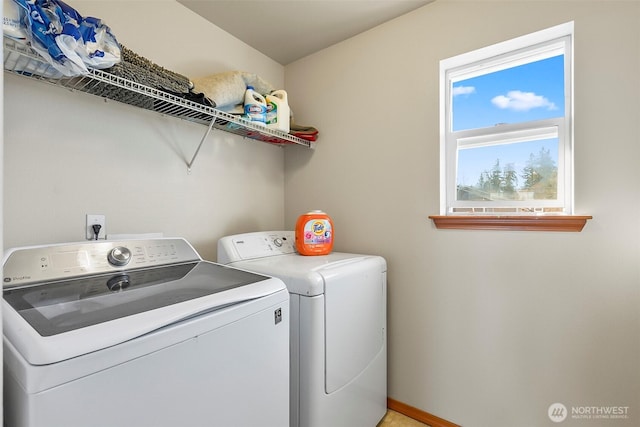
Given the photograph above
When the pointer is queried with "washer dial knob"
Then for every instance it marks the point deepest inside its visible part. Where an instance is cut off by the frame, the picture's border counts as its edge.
(118, 283)
(119, 256)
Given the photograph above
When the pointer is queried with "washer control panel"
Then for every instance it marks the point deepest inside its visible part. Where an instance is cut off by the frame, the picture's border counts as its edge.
(56, 262)
(255, 245)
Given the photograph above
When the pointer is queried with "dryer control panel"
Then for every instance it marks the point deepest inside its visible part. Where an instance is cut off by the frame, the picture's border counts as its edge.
(255, 245)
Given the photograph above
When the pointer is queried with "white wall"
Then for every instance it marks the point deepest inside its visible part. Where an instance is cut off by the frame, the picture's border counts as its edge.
(486, 328)
(69, 154)
(1, 194)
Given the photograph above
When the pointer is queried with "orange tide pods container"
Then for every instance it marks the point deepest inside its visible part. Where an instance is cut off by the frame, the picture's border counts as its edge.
(314, 233)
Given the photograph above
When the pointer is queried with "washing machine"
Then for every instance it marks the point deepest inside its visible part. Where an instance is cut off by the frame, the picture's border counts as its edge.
(338, 345)
(141, 333)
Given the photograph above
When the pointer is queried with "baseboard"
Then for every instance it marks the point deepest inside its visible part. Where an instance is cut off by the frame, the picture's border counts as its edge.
(418, 414)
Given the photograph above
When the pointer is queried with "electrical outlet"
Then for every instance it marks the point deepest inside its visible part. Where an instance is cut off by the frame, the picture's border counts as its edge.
(91, 221)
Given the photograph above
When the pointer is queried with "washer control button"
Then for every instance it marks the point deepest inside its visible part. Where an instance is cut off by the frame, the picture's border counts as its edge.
(278, 242)
(118, 283)
(119, 256)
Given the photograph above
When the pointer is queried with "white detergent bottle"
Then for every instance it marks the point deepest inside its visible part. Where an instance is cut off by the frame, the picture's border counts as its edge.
(255, 107)
(278, 110)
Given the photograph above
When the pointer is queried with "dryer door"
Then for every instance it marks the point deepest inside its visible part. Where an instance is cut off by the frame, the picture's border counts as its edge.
(354, 318)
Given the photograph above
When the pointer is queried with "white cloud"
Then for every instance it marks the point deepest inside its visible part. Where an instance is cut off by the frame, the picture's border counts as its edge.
(463, 90)
(522, 101)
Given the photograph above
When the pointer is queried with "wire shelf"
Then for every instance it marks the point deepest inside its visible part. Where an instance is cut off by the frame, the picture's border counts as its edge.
(20, 59)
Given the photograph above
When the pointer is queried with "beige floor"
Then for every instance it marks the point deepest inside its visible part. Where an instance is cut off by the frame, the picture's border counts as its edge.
(395, 419)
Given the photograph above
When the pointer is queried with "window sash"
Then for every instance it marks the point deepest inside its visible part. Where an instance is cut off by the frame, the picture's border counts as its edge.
(512, 59)
(512, 134)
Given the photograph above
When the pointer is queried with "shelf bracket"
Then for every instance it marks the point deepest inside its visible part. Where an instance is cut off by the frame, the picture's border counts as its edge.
(206, 134)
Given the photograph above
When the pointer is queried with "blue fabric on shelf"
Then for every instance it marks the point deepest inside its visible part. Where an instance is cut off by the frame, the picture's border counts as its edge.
(68, 41)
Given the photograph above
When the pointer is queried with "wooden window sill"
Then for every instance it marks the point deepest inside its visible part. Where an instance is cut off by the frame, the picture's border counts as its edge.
(573, 223)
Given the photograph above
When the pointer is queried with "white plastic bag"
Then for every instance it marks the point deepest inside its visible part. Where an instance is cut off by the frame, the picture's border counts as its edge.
(11, 21)
(69, 42)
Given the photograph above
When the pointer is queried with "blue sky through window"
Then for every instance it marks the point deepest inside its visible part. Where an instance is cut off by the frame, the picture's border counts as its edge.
(529, 92)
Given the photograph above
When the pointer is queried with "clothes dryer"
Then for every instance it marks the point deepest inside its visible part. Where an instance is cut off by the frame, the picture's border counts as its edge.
(338, 345)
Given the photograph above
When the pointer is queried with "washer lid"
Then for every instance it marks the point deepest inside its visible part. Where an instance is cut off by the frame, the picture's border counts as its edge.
(59, 320)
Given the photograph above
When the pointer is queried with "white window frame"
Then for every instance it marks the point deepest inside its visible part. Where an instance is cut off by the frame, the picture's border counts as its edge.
(536, 46)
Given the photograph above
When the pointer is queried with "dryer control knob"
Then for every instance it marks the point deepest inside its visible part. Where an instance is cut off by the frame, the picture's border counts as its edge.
(119, 256)
(277, 242)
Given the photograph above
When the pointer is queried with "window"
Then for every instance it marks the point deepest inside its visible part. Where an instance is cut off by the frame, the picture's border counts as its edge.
(506, 127)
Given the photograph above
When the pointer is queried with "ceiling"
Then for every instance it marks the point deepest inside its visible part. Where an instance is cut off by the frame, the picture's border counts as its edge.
(287, 30)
